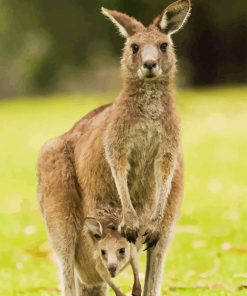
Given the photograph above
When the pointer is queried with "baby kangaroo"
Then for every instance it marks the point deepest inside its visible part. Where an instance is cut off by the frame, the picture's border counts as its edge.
(101, 253)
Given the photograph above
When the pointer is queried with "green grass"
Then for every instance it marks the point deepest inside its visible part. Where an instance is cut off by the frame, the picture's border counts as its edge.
(210, 245)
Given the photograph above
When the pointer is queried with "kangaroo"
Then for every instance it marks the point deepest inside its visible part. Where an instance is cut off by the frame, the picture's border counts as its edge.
(124, 156)
(103, 251)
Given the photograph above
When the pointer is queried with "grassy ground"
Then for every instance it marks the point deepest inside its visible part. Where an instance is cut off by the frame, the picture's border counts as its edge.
(209, 253)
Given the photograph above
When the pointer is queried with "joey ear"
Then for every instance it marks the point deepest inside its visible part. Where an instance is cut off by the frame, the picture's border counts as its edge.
(173, 17)
(126, 25)
(94, 226)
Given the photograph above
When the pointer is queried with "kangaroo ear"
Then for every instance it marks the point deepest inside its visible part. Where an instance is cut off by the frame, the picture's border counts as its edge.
(173, 17)
(95, 227)
(126, 25)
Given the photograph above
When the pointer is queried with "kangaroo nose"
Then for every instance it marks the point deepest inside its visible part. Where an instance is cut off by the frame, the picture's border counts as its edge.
(149, 65)
(112, 269)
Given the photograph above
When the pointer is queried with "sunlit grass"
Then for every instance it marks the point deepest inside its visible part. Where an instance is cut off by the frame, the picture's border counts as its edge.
(210, 246)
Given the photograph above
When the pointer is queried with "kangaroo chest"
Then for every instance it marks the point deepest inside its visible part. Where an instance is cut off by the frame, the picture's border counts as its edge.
(146, 134)
(146, 140)
(149, 139)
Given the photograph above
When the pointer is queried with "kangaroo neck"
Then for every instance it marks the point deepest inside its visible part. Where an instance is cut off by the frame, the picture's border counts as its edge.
(134, 86)
(146, 97)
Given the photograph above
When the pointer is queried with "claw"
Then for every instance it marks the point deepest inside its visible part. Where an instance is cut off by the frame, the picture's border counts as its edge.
(151, 245)
(131, 239)
(146, 249)
(146, 240)
(146, 232)
(151, 240)
(131, 236)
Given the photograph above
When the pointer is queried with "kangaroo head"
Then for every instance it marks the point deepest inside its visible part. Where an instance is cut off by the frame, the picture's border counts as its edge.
(148, 52)
(110, 247)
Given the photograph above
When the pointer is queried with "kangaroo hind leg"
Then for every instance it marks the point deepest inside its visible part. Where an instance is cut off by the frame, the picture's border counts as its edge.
(59, 201)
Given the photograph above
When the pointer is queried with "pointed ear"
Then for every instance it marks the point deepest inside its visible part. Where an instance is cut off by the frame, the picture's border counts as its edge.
(173, 17)
(94, 226)
(126, 25)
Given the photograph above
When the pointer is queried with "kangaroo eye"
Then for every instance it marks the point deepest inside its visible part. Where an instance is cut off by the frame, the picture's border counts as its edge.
(135, 47)
(103, 252)
(122, 251)
(163, 46)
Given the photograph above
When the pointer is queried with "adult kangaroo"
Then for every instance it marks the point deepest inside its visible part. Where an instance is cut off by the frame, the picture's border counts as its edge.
(125, 156)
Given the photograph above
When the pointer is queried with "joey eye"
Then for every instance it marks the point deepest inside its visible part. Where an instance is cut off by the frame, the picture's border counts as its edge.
(112, 227)
(163, 46)
(103, 252)
(122, 251)
(135, 47)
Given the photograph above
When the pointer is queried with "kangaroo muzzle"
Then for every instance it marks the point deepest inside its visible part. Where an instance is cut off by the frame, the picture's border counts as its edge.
(150, 68)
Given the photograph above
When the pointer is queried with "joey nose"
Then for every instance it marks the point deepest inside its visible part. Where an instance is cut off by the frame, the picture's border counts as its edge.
(149, 65)
(112, 269)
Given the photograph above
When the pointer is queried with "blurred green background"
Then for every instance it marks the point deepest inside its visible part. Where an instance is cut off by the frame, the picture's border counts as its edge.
(59, 60)
(61, 45)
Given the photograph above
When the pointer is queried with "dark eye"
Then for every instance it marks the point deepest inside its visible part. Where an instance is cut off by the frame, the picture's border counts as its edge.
(135, 47)
(122, 251)
(103, 252)
(112, 227)
(163, 46)
(97, 236)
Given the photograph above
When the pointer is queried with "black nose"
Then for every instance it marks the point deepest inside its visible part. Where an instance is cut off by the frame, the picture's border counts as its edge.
(149, 65)
(112, 269)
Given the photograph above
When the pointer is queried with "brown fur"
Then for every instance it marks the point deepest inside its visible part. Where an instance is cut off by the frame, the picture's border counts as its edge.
(123, 158)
